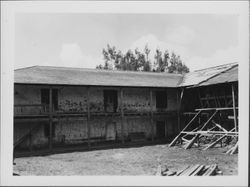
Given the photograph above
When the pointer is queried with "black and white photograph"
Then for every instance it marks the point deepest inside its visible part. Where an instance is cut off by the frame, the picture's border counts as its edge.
(125, 93)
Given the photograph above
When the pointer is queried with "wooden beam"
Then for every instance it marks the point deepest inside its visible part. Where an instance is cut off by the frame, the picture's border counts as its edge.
(217, 141)
(234, 109)
(88, 118)
(122, 115)
(211, 132)
(217, 109)
(179, 99)
(50, 118)
(177, 137)
(197, 135)
(30, 138)
(151, 114)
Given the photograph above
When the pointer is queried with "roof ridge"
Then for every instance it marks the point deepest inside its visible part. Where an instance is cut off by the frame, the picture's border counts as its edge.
(236, 63)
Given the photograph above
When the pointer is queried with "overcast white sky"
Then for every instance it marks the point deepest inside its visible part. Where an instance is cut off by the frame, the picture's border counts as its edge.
(77, 39)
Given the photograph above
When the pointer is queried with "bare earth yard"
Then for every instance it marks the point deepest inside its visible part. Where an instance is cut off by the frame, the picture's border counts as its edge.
(125, 161)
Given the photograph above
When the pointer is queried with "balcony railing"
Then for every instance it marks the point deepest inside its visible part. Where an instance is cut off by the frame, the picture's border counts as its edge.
(31, 110)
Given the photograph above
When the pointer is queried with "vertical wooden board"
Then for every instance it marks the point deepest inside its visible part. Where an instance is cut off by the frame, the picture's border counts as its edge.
(88, 117)
(234, 108)
(50, 118)
(151, 114)
(122, 115)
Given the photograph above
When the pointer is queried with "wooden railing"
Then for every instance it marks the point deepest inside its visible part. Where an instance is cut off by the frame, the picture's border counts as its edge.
(43, 110)
(31, 109)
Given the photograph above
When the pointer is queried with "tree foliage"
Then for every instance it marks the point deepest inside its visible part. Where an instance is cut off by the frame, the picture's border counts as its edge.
(139, 61)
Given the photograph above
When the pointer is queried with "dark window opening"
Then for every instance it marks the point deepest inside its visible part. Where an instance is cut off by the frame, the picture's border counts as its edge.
(161, 99)
(110, 100)
(46, 130)
(160, 129)
(45, 98)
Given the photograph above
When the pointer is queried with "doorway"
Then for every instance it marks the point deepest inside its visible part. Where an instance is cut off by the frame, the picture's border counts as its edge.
(160, 130)
(45, 98)
(110, 100)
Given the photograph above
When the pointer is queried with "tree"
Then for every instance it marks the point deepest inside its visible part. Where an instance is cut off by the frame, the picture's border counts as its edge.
(176, 65)
(139, 61)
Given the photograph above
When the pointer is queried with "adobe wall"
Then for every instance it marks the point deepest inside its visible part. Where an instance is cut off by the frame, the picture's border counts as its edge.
(71, 130)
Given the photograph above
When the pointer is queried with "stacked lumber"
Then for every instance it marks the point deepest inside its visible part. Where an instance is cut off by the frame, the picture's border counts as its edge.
(192, 170)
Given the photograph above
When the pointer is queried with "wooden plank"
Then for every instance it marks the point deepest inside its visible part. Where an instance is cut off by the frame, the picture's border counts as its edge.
(179, 135)
(191, 170)
(198, 170)
(183, 170)
(211, 132)
(50, 118)
(122, 115)
(217, 109)
(151, 114)
(234, 109)
(30, 138)
(179, 100)
(88, 117)
(211, 170)
(235, 148)
(217, 141)
(189, 145)
(218, 125)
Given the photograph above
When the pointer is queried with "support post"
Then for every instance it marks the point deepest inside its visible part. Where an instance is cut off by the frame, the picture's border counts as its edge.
(151, 113)
(88, 118)
(179, 99)
(50, 118)
(234, 109)
(30, 139)
(122, 115)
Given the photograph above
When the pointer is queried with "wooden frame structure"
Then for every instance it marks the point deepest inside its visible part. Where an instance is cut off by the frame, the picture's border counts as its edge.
(210, 127)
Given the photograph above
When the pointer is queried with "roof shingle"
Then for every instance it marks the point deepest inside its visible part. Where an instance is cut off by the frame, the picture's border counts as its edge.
(93, 77)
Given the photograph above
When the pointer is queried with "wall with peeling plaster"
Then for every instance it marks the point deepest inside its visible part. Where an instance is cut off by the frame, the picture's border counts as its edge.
(71, 99)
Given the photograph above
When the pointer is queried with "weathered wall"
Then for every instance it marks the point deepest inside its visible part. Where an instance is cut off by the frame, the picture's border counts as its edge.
(74, 99)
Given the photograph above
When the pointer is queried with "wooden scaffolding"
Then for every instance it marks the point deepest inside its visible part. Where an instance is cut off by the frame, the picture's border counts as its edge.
(210, 129)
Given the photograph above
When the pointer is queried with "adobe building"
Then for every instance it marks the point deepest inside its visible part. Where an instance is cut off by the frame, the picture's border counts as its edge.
(63, 107)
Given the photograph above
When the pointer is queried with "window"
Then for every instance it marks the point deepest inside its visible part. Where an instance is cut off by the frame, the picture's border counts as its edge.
(161, 99)
(45, 98)
(110, 100)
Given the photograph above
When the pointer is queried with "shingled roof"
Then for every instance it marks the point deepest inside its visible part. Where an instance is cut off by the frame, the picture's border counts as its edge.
(47, 75)
(230, 75)
(212, 75)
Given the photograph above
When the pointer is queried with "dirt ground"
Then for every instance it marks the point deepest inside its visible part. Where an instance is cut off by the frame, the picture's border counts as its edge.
(126, 161)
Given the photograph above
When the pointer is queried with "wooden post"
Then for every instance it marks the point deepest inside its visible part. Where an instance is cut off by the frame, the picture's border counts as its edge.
(50, 118)
(234, 109)
(122, 115)
(30, 139)
(179, 99)
(88, 118)
(151, 113)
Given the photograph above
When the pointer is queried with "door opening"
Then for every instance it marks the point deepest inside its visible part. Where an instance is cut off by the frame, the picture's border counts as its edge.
(110, 100)
(160, 129)
(45, 98)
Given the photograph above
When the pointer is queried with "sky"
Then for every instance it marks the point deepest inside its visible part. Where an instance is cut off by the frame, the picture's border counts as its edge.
(77, 39)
